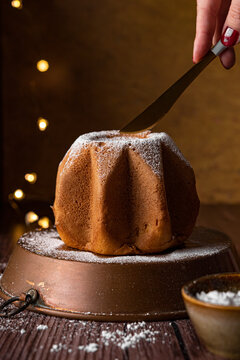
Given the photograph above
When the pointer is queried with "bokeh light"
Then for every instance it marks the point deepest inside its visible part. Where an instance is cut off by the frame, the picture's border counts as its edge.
(42, 65)
(16, 4)
(31, 177)
(18, 194)
(42, 124)
(44, 222)
(31, 217)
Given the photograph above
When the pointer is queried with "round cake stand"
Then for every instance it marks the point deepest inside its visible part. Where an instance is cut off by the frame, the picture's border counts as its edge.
(80, 285)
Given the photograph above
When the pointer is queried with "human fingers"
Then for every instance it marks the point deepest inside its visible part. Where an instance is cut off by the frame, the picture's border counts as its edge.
(221, 18)
(207, 11)
(233, 17)
(231, 35)
(227, 58)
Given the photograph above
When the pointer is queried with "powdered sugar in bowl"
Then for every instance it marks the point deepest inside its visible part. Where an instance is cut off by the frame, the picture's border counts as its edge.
(213, 305)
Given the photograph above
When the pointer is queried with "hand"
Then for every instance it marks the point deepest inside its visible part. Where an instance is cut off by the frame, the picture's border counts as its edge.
(213, 16)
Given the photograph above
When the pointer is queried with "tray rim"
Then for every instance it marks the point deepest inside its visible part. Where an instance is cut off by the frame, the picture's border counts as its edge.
(47, 310)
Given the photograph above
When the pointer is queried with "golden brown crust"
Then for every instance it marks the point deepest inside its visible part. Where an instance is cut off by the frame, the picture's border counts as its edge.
(113, 203)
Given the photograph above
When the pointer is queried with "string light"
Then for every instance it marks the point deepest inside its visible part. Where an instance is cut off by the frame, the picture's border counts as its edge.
(42, 65)
(31, 177)
(18, 194)
(31, 217)
(42, 124)
(16, 4)
(44, 222)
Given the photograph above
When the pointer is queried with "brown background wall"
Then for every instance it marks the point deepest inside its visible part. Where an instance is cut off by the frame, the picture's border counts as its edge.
(108, 60)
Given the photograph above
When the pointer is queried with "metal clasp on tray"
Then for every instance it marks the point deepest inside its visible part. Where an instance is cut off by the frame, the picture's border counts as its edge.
(26, 299)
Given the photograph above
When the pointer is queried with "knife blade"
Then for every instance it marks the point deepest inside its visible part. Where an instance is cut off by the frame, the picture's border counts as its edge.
(155, 112)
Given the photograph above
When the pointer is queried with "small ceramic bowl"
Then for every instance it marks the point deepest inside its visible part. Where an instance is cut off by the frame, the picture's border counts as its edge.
(218, 326)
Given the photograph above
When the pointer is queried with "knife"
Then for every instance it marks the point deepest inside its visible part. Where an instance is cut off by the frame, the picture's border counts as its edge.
(153, 113)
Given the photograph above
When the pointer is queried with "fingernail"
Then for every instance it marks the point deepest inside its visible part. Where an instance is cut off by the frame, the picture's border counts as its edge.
(229, 37)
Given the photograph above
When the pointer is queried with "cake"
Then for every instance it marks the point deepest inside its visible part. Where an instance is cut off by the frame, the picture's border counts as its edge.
(119, 194)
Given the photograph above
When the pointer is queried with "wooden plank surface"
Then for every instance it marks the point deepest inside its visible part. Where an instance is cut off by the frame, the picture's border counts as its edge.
(40, 337)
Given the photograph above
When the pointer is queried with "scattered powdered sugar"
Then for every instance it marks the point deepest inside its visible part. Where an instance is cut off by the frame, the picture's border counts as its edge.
(216, 297)
(124, 338)
(58, 347)
(110, 145)
(87, 337)
(18, 324)
(136, 333)
(48, 243)
(42, 327)
(92, 347)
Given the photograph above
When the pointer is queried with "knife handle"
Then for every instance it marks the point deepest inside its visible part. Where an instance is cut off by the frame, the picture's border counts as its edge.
(228, 39)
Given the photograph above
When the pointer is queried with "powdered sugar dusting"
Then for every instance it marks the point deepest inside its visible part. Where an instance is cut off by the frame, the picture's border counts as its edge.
(42, 327)
(135, 333)
(92, 347)
(48, 243)
(58, 347)
(80, 338)
(124, 338)
(110, 144)
(21, 323)
(228, 298)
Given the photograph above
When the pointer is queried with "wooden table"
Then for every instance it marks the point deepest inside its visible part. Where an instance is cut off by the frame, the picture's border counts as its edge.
(33, 336)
